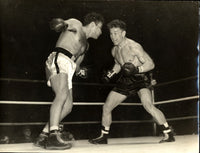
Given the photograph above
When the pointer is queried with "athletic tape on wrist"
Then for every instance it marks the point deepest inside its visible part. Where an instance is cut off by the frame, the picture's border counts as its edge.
(110, 73)
(141, 69)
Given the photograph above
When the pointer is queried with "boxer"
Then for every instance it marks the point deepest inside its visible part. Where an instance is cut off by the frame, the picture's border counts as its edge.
(61, 65)
(135, 65)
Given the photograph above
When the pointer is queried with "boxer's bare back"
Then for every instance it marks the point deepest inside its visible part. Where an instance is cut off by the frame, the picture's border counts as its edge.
(73, 38)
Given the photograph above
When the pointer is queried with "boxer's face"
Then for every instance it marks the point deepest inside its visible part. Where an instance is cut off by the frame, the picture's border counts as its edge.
(97, 30)
(117, 35)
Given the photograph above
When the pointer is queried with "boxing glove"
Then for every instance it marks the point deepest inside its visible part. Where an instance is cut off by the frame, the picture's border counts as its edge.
(58, 25)
(83, 73)
(107, 76)
(129, 69)
(153, 81)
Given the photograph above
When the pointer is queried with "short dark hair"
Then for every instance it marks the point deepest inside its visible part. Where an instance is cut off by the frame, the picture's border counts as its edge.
(93, 17)
(117, 24)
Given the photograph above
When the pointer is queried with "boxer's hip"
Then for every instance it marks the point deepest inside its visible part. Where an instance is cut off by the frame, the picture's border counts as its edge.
(127, 85)
(59, 61)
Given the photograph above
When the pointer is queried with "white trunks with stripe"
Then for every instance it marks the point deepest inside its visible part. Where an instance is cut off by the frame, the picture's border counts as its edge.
(59, 61)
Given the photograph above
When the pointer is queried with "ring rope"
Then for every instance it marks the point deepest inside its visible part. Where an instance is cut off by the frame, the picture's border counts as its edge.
(98, 103)
(44, 81)
(49, 103)
(177, 100)
(96, 122)
(94, 84)
(175, 81)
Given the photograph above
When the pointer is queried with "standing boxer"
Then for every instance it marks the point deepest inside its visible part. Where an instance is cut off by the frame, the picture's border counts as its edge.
(134, 64)
(60, 68)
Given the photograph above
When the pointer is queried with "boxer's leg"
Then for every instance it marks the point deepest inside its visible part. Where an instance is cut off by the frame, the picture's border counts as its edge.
(59, 84)
(66, 109)
(113, 100)
(68, 68)
(146, 99)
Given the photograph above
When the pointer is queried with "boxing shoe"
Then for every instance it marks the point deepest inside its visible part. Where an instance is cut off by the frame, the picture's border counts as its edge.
(103, 139)
(41, 140)
(55, 142)
(65, 135)
(168, 137)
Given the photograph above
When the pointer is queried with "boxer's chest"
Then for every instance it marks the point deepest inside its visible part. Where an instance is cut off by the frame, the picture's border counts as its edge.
(81, 44)
(125, 54)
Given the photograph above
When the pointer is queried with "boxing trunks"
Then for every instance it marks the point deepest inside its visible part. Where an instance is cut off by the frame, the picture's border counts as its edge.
(59, 61)
(129, 85)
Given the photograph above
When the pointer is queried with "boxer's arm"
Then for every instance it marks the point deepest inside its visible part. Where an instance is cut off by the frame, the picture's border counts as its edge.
(117, 67)
(145, 59)
(58, 25)
(72, 27)
(111, 73)
(81, 71)
(78, 62)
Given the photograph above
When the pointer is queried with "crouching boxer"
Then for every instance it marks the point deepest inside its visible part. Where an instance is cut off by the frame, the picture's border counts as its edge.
(61, 65)
(134, 64)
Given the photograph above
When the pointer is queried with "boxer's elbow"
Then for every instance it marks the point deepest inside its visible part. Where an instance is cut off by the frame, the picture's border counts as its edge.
(152, 65)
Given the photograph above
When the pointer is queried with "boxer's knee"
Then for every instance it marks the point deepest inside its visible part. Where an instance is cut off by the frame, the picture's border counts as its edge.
(60, 97)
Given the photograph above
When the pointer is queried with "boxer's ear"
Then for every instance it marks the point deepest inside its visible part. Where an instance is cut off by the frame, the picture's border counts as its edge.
(123, 33)
(92, 24)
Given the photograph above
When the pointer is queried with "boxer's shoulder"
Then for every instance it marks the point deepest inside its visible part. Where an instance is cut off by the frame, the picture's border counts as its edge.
(74, 21)
(74, 24)
(132, 43)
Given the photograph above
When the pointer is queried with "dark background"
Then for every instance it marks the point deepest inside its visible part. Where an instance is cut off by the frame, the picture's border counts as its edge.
(167, 30)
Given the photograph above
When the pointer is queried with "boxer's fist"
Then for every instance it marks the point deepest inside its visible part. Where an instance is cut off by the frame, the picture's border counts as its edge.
(129, 69)
(153, 82)
(107, 76)
(83, 73)
(105, 79)
(58, 25)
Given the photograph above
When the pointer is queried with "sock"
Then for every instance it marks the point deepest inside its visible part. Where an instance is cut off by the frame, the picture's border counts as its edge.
(54, 128)
(45, 130)
(105, 130)
(165, 128)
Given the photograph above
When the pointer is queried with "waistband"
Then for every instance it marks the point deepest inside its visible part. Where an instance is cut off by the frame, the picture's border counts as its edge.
(64, 51)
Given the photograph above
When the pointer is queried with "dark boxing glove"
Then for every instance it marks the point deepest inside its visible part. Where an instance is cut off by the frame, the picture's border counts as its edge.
(153, 81)
(107, 76)
(83, 73)
(58, 25)
(129, 69)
